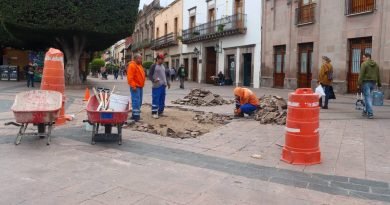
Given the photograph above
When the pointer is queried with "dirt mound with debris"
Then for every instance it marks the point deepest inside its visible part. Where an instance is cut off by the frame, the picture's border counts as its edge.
(272, 110)
(202, 97)
(179, 123)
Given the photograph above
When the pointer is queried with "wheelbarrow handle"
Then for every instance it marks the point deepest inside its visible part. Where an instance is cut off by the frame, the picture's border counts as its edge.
(12, 123)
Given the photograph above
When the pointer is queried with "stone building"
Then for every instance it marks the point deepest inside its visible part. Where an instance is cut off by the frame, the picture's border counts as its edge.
(144, 30)
(297, 33)
(222, 36)
(168, 26)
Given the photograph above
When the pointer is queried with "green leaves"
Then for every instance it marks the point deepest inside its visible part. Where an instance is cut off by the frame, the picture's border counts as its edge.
(40, 22)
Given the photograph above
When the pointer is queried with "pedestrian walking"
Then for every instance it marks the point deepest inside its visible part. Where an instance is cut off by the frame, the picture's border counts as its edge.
(136, 81)
(121, 71)
(172, 73)
(246, 102)
(368, 77)
(116, 73)
(30, 71)
(182, 75)
(160, 79)
(325, 78)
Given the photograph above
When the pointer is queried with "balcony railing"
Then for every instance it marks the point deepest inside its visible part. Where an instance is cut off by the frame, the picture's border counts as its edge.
(305, 14)
(140, 45)
(353, 7)
(165, 41)
(230, 25)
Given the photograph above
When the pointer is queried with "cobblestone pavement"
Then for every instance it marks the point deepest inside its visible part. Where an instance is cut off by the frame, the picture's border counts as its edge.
(216, 168)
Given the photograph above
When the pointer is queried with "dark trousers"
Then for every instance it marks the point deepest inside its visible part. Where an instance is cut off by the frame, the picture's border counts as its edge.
(182, 82)
(158, 99)
(326, 90)
(30, 80)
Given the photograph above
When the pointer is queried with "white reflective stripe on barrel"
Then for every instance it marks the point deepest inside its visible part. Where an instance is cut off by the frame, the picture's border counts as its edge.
(293, 104)
(295, 130)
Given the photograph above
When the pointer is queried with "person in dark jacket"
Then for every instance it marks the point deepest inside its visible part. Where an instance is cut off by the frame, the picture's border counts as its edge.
(368, 77)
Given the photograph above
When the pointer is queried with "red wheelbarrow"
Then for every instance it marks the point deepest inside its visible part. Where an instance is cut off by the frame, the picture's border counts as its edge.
(105, 118)
(38, 107)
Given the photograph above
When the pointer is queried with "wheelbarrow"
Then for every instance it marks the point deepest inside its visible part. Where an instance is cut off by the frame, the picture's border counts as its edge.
(38, 107)
(105, 118)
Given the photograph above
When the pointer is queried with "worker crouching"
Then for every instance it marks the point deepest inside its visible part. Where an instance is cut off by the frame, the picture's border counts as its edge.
(246, 102)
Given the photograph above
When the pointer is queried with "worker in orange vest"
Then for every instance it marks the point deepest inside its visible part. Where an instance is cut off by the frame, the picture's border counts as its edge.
(246, 102)
(136, 81)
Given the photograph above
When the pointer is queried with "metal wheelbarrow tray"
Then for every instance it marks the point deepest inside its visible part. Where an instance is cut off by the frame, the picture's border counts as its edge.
(38, 107)
(108, 119)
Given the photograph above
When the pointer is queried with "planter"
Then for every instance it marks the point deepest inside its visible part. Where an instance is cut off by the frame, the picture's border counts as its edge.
(220, 27)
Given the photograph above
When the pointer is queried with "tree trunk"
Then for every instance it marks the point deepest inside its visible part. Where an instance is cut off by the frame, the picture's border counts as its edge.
(72, 51)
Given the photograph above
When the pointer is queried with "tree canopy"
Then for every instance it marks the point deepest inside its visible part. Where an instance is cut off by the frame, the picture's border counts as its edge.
(73, 26)
(38, 23)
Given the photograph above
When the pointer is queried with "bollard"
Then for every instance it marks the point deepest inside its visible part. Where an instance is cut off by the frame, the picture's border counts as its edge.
(302, 128)
(53, 78)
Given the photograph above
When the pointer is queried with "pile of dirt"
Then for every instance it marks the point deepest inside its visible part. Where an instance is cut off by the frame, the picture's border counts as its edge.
(202, 97)
(179, 123)
(272, 110)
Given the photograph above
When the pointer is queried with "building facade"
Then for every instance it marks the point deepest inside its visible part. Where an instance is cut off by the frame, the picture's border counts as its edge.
(144, 30)
(297, 33)
(217, 37)
(168, 26)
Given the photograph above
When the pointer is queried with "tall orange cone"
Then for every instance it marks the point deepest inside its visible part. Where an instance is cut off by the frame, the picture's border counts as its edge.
(53, 78)
(86, 95)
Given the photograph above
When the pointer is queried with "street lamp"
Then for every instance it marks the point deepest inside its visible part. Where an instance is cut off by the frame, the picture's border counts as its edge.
(218, 48)
(196, 51)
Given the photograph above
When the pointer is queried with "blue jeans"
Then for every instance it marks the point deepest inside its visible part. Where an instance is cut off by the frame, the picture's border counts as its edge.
(136, 102)
(248, 108)
(368, 87)
(158, 99)
(30, 80)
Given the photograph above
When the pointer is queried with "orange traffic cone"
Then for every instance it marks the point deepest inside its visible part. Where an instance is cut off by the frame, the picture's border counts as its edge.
(86, 95)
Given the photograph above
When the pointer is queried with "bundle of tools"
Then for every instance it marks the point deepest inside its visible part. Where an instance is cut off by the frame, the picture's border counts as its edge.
(103, 97)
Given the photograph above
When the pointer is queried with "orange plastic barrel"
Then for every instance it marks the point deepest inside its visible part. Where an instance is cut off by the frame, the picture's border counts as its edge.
(53, 78)
(302, 128)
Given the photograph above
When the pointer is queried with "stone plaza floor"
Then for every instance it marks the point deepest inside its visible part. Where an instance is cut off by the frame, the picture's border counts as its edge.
(215, 168)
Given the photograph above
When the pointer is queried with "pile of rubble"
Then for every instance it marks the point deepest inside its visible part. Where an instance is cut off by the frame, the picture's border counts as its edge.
(165, 131)
(272, 110)
(202, 97)
(212, 117)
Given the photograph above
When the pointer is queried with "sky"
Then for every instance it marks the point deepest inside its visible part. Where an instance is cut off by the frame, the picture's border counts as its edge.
(162, 2)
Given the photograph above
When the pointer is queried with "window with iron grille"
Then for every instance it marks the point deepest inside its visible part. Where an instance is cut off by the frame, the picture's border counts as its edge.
(353, 7)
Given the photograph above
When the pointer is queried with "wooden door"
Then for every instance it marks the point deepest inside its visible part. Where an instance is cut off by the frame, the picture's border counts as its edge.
(211, 64)
(358, 47)
(186, 67)
(279, 63)
(305, 65)
(238, 12)
(195, 69)
(211, 20)
(247, 69)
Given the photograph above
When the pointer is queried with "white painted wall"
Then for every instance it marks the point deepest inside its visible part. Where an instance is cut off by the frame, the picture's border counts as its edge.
(252, 9)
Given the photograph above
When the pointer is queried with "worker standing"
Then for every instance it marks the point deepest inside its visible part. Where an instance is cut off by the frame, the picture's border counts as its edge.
(136, 81)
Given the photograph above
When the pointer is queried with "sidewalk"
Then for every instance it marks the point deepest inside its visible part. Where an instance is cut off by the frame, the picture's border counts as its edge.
(216, 168)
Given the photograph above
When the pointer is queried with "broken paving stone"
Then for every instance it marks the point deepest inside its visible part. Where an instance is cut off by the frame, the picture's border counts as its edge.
(272, 110)
(201, 97)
